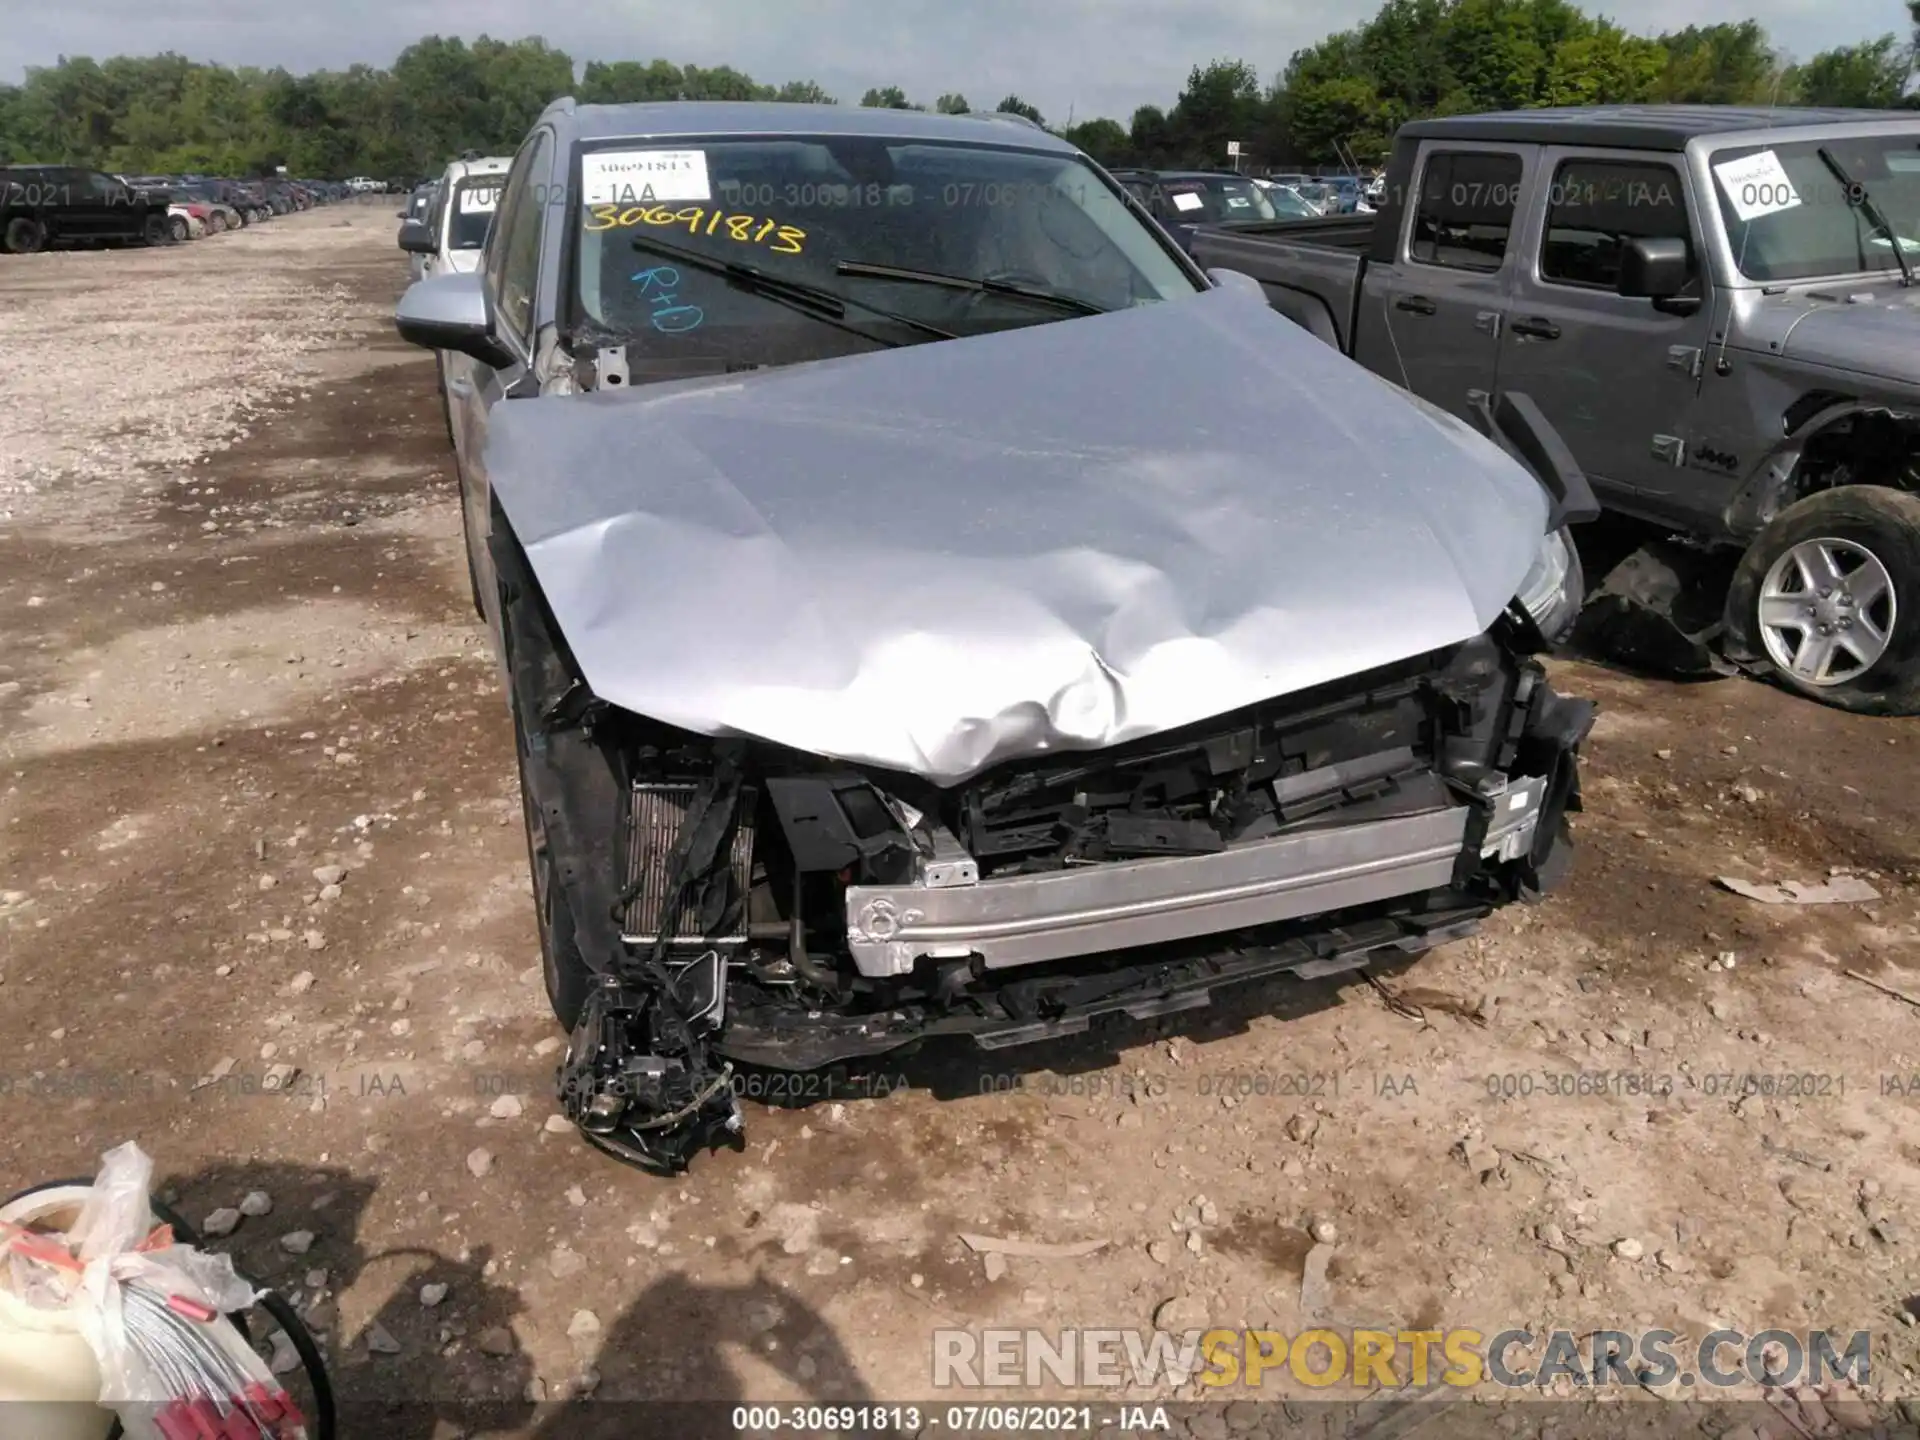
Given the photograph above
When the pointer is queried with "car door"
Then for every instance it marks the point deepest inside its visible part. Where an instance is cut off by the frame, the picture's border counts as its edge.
(510, 273)
(1445, 295)
(1618, 377)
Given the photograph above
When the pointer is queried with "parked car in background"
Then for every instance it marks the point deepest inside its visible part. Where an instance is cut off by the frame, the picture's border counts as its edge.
(460, 208)
(1183, 199)
(1715, 307)
(1287, 202)
(67, 205)
(836, 731)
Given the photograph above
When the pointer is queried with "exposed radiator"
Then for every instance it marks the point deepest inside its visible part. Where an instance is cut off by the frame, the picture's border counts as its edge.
(659, 812)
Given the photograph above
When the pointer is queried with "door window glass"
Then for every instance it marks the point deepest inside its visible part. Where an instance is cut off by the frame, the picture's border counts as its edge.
(1466, 208)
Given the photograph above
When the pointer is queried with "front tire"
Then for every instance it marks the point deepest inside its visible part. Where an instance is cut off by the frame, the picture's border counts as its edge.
(1827, 600)
(179, 228)
(25, 236)
(155, 231)
(567, 976)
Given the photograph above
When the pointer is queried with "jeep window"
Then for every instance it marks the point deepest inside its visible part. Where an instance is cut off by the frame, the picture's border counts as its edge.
(1787, 216)
(475, 200)
(798, 207)
(1596, 206)
(1466, 207)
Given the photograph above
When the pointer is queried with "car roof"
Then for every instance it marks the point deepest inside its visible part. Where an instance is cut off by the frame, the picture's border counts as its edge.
(671, 119)
(485, 165)
(1631, 127)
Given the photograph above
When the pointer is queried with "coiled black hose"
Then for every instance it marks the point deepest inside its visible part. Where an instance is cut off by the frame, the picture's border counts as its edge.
(270, 1301)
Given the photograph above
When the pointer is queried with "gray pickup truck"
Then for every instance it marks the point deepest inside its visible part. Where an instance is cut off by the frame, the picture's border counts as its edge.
(1715, 308)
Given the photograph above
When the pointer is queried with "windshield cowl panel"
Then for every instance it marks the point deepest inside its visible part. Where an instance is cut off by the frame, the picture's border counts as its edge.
(796, 208)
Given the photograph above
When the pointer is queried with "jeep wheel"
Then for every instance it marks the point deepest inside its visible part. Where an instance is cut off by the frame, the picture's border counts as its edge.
(24, 236)
(154, 230)
(1827, 600)
(566, 973)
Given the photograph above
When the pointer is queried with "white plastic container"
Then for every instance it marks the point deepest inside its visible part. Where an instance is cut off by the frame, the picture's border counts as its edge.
(49, 1378)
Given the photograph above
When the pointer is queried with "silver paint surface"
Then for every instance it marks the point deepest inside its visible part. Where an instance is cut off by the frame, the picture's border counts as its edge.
(1062, 537)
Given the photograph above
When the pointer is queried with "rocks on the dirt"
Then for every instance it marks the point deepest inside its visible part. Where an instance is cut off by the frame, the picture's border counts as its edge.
(995, 1265)
(583, 1325)
(1628, 1248)
(432, 1293)
(256, 1203)
(565, 1261)
(506, 1107)
(223, 1221)
(479, 1162)
(496, 1341)
(557, 1125)
(314, 940)
(380, 1340)
(330, 874)
(297, 1242)
(1160, 1252)
(285, 1359)
(301, 983)
(1180, 1313)
(1325, 1232)
(576, 1197)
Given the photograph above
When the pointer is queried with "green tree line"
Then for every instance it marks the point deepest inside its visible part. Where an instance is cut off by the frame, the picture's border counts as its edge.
(1340, 98)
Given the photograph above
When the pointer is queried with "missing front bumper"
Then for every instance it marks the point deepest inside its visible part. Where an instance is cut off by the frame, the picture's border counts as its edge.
(1030, 919)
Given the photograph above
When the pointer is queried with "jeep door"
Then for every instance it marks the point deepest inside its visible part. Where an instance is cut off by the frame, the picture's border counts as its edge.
(1617, 376)
(1445, 295)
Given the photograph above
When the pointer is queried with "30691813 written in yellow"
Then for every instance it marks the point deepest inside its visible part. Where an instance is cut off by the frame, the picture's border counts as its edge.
(702, 220)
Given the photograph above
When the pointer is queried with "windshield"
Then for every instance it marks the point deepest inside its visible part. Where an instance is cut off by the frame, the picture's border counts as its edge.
(1203, 200)
(799, 207)
(1287, 204)
(1787, 215)
(474, 201)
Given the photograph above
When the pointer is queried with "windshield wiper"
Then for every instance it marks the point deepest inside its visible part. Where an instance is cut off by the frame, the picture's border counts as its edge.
(1858, 197)
(969, 282)
(829, 307)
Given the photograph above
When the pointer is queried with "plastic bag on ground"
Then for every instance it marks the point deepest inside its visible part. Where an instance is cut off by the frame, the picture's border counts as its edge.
(153, 1312)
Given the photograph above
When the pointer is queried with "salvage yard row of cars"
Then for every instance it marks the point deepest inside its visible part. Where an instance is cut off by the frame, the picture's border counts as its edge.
(44, 206)
(892, 656)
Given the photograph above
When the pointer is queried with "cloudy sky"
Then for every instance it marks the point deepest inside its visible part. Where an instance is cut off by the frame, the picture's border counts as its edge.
(1097, 57)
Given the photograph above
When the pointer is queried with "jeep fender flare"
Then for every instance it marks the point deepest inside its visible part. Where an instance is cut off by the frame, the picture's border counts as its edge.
(1769, 486)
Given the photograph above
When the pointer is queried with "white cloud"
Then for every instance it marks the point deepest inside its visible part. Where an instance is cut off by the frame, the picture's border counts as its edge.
(1097, 57)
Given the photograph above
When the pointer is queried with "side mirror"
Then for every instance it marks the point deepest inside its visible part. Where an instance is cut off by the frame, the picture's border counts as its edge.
(1655, 269)
(416, 239)
(451, 312)
(1239, 281)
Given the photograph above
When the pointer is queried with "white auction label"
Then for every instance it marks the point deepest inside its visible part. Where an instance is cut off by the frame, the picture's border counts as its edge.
(1186, 200)
(1756, 185)
(642, 177)
(479, 202)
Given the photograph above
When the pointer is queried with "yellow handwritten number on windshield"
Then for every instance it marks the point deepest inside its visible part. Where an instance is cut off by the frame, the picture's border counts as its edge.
(746, 229)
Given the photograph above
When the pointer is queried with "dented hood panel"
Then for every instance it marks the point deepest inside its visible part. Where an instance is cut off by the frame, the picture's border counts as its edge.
(936, 558)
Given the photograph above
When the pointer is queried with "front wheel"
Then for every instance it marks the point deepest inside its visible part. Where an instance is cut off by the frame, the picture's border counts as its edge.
(154, 231)
(179, 228)
(1827, 599)
(25, 235)
(568, 977)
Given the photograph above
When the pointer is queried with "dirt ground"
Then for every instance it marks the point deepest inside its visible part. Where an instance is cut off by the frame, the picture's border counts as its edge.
(236, 647)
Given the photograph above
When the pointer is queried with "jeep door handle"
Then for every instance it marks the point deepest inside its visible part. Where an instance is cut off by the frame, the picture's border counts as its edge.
(1417, 304)
(1535, 327)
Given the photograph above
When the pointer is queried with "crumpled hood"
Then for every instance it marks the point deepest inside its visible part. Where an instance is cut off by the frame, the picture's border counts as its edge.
(1061, 537)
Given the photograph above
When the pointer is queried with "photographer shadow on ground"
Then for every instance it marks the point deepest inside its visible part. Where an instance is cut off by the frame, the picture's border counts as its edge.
(663, 1367)
(407, 1371)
